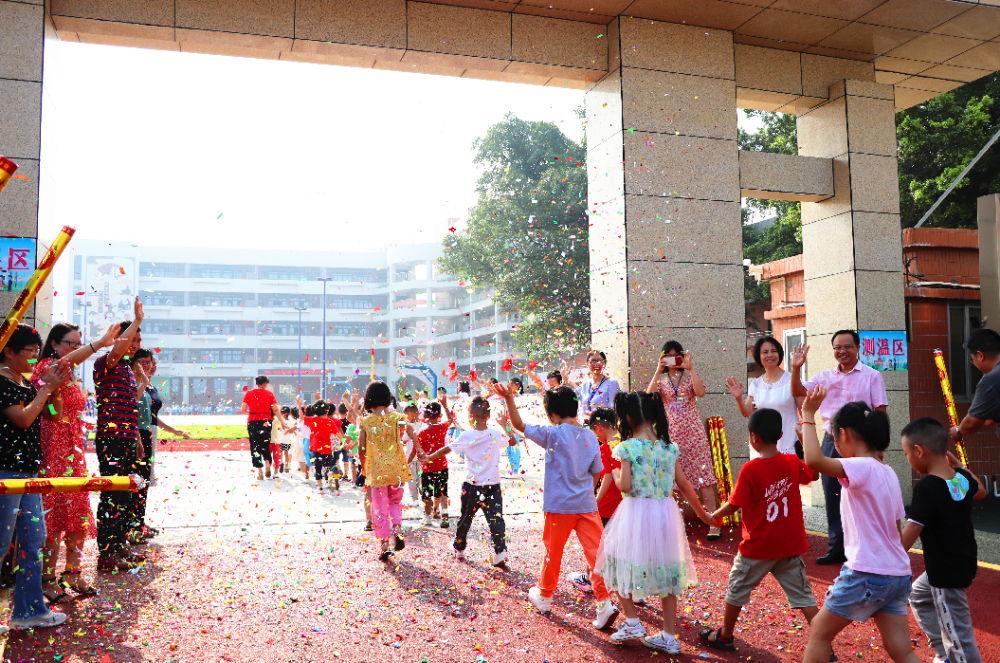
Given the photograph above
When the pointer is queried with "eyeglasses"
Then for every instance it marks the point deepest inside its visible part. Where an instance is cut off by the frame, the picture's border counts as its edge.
(844, 348)
(72, 344)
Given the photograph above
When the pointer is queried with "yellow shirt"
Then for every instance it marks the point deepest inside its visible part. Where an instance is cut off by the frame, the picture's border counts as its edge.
(385, 459)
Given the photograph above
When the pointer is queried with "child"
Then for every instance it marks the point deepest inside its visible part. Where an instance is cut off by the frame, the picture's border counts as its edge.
(603, 422)
(434, 472)
(347, 449)
(875, 580)
(383, 463)
(941, 515)
(297, 453)
(323, 430)
(275, 444)
(412, 414)
(285, 437)
(572, 461)
(645, 551)
(306, 436)
(774, 533)
(481, 489)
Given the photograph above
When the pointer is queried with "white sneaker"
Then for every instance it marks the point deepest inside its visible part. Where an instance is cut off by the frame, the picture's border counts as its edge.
(427, 521)
(663, 642)
(498, 558)
(40, 621)
(459, 554)
(628, 632)
(3, 630)
(542, 604)
(606, 614)
(581, 580)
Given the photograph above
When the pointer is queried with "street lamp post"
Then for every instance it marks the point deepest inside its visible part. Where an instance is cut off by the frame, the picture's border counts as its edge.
(324, 279)
(300, 309)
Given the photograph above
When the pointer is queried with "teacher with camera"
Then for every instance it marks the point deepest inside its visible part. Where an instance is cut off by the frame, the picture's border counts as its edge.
(680, 388)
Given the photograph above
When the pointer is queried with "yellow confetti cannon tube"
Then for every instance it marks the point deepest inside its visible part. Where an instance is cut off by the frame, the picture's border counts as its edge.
(70, 485)
(949, 402)
(720, 464)
(34, 284)
(7, 170)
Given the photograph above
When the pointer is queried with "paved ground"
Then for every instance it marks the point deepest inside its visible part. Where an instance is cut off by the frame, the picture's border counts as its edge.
(272, 571)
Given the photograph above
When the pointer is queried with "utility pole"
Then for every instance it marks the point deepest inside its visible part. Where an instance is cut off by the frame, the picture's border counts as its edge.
(300, 309)
(324, 279)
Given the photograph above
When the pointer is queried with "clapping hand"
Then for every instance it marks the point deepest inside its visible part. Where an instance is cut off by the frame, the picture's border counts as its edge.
(58, 374)
(502, 391)
(137, 310)
(813, 400)
(109, 336)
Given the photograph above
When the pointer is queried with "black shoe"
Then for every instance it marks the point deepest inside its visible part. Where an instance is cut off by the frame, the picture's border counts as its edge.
(400, 544)
(832, 557)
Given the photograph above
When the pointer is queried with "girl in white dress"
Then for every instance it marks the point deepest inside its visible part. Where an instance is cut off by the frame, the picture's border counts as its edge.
(772, 390)
(644, 551)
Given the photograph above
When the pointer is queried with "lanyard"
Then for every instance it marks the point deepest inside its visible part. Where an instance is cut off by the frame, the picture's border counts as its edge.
(593, 392)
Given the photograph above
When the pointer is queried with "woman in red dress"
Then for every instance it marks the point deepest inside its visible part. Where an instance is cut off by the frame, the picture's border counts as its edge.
(63, 444)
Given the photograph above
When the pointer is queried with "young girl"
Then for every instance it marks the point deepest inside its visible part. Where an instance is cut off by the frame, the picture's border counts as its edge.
(644, 550)
(285, 438)
(297, 453)
(875, 581)
(380, 451)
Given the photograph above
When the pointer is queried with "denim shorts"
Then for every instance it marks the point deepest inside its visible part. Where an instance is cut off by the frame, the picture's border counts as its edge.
(857, 595)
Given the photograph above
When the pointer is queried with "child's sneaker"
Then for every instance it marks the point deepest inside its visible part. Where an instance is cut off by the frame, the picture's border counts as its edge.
(542, 604)
(499, 559)
(663, 642)
(427, 521)
(581, 580)
(445, 524)
(606, 614)
(459, 554)
(629, 632)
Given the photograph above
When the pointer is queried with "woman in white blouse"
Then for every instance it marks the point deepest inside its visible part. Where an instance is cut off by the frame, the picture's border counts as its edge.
(772, 390)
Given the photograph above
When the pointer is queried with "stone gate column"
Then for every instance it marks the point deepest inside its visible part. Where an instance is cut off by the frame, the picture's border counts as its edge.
(852, 242)
(666, 249)
(20, 121)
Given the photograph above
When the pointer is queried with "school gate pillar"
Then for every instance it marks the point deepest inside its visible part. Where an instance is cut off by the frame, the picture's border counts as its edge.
(664, 187)
(852, 242)
(20, 124)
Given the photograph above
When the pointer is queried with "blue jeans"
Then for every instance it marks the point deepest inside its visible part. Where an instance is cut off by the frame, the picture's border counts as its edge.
(24, 514)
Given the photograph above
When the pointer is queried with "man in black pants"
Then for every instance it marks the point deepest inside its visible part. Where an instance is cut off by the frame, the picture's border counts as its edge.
(849, 381)
(117, 441)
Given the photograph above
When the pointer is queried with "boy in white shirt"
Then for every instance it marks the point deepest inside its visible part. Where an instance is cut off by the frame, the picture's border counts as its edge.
(482, 446)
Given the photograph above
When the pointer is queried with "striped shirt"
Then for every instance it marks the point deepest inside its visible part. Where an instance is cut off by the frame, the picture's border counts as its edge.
(117, 400)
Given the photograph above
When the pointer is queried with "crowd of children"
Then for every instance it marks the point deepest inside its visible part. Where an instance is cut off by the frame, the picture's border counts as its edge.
(612, 484)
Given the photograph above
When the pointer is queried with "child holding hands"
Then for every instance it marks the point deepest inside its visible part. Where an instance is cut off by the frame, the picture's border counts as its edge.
(645, 550)
(875, 580)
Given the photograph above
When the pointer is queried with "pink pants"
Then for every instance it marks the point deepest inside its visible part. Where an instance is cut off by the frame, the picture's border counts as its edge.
(387, 510)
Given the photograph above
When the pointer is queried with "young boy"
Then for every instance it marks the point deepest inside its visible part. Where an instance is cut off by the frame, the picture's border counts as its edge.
(322, 429)
(941, 515)
(774, 533)
(345, 450)
(434, 472)
(572, 463)
(481, 489)
(603, 422)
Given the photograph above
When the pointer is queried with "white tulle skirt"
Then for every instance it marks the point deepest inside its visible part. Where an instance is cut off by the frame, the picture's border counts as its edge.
(644, 550)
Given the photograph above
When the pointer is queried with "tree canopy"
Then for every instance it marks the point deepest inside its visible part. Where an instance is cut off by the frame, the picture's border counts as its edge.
(527, 235)
(936, 140)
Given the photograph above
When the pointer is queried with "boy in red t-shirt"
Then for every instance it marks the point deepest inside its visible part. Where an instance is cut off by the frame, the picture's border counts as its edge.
(323, 428)
(774, 533)
(434, 474)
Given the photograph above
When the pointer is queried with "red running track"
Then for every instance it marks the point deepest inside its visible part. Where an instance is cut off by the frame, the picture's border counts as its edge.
(278, 594)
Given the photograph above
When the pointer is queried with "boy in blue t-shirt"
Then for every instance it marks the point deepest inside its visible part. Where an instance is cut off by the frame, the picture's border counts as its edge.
(572, 465)
(941, 515)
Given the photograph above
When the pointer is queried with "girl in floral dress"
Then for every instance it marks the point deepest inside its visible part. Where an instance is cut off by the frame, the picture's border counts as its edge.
(67, 515)
(644, 551)
(680, 388)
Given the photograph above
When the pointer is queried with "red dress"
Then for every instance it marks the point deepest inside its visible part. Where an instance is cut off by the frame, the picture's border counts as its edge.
(62, 456)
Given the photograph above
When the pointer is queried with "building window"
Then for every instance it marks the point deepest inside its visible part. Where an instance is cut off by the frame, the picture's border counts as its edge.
(791, 338)
(219, 385)
(199, 386)
(963, 321)
(160, 298)
(232, 356)
(161, 269)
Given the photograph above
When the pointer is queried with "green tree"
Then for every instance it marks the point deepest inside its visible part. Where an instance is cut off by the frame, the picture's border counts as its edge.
(784, 238)
(527, 235)
(936, 140)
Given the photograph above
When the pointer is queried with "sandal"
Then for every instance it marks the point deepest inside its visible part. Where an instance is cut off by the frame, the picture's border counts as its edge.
(58, 598)
(714, 534)
(718, 642)
(84, 590)
(369, 526)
